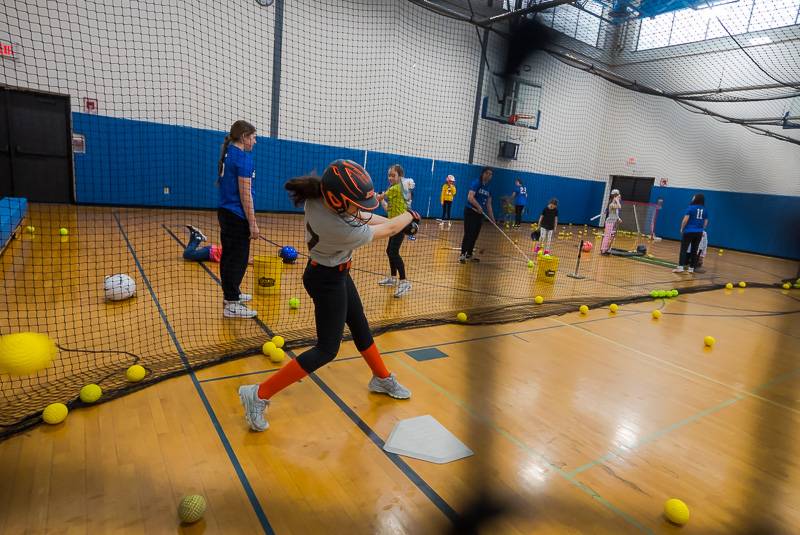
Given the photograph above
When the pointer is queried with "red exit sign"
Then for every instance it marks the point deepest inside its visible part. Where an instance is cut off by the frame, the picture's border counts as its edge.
(6, 50)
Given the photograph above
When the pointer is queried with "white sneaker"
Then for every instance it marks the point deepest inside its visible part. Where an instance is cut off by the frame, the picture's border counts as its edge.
(402, 288)
(255, 408)
(234, 309)
(462, 259)
(389, 386)
(244, 298)
(691, 270)
(388, 281)
(678, 269)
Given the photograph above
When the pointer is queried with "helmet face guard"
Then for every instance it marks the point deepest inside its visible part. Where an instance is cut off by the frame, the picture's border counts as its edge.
(345, 183)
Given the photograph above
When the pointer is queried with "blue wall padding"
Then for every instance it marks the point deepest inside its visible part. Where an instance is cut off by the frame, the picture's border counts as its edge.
(766, 224)
(12, 211)
(129, 162)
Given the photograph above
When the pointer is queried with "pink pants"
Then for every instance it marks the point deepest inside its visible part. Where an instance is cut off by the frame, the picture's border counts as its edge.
(608, 236)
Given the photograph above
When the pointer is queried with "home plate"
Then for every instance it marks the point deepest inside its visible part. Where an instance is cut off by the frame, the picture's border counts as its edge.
(425, 438)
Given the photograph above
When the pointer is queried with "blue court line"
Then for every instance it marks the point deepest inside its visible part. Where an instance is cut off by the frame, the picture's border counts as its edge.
(260, 372)
(409, 472)
(251, 496)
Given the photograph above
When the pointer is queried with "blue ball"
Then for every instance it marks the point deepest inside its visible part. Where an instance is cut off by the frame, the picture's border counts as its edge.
(288, 253)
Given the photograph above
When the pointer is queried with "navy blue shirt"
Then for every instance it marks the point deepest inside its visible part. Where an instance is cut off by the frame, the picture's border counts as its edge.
(521, 197)
(238, 163)
(482, 193)
(697, 216)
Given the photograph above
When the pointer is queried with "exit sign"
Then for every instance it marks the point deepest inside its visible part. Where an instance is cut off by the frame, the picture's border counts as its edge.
(6, 50)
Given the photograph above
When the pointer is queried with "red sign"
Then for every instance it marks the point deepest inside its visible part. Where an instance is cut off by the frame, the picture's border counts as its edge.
(663, 182)
(631, 161)
(6, 50)
(90, 105)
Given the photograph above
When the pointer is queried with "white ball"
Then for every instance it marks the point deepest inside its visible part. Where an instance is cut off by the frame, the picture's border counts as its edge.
(119, 287)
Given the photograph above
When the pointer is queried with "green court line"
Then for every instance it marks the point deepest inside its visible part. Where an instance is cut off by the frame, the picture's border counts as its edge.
(619, 452)
(530, 451)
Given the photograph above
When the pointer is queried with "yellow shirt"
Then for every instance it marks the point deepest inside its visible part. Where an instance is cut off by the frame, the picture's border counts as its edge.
(396, 201)
(448, 192)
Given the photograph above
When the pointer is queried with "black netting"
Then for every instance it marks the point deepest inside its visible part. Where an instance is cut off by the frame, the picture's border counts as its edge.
(151, 88)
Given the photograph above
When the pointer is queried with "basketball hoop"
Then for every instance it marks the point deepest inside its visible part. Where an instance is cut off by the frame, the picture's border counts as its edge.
(519, 120)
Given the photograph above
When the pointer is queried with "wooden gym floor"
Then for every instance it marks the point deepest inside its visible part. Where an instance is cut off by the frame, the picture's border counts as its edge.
(587, 424)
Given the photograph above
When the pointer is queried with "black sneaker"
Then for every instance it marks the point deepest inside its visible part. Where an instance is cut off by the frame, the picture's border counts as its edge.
(194, 231)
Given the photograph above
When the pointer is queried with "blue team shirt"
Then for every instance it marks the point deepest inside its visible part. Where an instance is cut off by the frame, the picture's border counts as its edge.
(482, 193)
(521, 197)
(238, 163)
(697, 215)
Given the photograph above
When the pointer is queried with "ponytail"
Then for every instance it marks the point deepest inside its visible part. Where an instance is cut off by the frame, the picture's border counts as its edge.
(238, 130)
(223, 151)
(303, 188)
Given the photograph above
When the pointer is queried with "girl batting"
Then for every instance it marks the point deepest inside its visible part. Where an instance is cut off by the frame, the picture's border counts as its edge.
(338, 220)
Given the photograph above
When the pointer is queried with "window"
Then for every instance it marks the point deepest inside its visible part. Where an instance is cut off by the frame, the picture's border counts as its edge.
(693, 25)
(574, 22)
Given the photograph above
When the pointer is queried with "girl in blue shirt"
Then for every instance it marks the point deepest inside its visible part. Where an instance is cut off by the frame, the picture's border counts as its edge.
(520, 198)
(693, 224)
(237, 216)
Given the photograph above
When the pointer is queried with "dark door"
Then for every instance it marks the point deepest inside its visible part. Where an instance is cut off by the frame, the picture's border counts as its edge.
(6, 188)
(40, 146)
(633, 188)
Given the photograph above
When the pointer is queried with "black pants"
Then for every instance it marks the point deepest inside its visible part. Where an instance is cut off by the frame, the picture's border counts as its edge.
(235, 241)
(446, 210)
(518, 215)
(472, 229)
(396, 264)
(336, 302)
(690, 239)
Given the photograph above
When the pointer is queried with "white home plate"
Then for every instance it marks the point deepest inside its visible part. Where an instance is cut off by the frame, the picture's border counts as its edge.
(425, 438)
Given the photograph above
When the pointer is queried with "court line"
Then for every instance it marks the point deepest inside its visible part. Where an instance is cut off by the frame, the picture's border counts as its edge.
(451, 342)
(409, 472)
(683, 369)
(248, 489)
(620, 452)
(527, 449)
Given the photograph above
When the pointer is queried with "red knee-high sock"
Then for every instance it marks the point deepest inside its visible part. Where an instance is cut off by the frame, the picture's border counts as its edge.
(291, 373)
(373, 358)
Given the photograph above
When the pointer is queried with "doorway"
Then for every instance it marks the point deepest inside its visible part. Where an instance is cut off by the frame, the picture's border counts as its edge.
(35, 146)
(633, 188)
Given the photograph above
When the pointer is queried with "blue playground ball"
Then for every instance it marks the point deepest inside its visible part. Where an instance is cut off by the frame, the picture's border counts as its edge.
(288, 253)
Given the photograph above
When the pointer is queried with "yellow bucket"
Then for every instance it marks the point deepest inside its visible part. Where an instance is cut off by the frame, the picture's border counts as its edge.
(546, 272)
(267, 274)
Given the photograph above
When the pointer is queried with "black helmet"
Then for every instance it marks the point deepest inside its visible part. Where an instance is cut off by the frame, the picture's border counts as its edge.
(343, 182)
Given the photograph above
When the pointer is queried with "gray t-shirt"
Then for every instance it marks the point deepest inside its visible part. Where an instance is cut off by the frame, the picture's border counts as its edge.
(330, 239)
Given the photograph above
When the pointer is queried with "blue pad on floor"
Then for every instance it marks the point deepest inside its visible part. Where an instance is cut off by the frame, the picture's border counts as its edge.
(426, 354)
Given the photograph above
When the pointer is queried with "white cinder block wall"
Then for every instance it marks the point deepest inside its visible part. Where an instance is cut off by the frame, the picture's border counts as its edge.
(189, 63)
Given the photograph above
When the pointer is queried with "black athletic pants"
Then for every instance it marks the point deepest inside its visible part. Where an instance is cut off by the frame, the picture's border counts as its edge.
(446, 205)
(472, 228)
(518, 215)
(396, 264)
(690, 239)
(336, 302)
(235, 241)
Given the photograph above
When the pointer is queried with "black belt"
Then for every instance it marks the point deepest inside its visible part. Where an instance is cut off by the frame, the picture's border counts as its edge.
(341, 267)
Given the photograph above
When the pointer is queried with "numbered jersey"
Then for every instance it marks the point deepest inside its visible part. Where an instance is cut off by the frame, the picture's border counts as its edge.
(330, 239)
(697, 217)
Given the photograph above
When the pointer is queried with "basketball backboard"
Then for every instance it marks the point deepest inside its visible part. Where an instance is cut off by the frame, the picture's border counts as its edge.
(519, 105)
